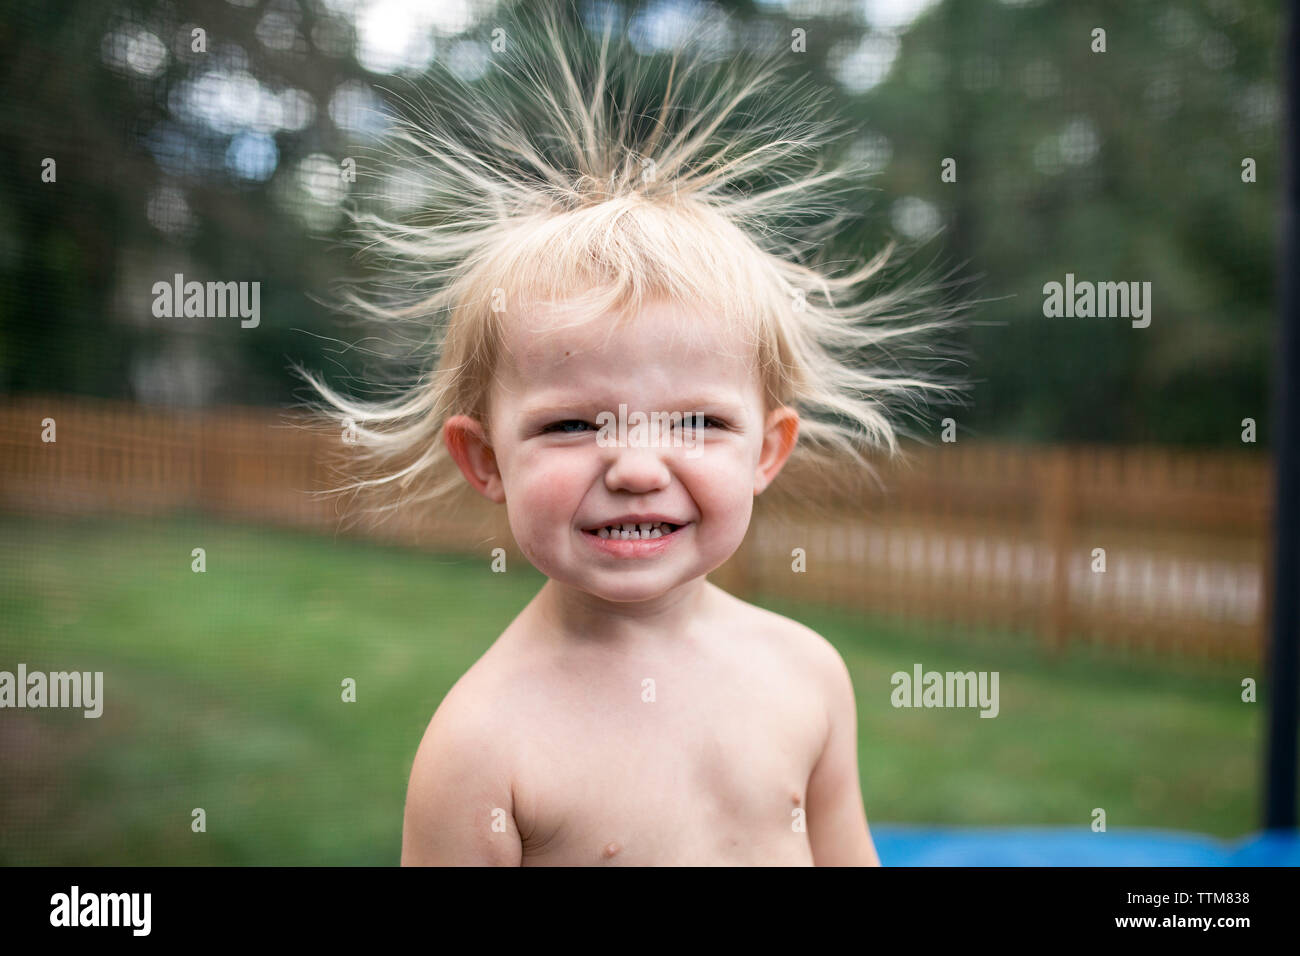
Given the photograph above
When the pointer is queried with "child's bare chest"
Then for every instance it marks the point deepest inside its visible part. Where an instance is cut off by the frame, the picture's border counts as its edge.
(661, 768)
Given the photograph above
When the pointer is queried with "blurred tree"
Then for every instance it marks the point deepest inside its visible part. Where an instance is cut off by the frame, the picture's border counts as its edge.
(1117, 166)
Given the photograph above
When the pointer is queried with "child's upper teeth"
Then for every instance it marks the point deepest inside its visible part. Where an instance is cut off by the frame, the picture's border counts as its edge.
(629, 530)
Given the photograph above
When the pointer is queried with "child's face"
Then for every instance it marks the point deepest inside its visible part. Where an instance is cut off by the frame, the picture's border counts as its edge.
(560, 483)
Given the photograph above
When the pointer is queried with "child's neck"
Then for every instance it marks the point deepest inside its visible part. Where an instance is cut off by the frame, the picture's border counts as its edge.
(578, 615)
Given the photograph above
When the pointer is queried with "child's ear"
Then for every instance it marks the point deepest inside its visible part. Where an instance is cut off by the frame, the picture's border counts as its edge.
(780, 433)
(467, 443)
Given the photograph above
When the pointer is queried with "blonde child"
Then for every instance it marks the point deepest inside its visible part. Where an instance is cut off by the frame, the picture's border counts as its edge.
(607, 244)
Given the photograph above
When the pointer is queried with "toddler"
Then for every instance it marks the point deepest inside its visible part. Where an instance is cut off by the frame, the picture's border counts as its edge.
(629, 340)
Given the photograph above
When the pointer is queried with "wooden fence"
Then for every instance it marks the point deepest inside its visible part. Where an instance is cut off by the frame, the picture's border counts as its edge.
(965, 536)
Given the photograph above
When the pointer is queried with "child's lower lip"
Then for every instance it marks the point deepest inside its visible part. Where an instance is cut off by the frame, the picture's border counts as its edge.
(640, 547)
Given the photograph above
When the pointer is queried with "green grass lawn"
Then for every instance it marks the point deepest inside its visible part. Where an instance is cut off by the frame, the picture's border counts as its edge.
(223, 692)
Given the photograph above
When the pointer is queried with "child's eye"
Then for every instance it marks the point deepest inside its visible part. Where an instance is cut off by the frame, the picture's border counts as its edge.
(564, 429)
(709, 422)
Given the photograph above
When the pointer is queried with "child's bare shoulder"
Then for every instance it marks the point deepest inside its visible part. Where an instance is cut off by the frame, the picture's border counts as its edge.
(460, 798)
(475, 715)
(796, 644)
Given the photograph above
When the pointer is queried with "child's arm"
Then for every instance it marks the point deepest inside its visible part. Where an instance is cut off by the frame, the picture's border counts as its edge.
(459, 802)
(837, 822)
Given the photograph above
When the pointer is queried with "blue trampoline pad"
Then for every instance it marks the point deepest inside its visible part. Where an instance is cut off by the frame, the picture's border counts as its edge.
(910, 845)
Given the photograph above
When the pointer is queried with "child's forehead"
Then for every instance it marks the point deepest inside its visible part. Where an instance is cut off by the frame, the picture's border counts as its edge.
(545, 337)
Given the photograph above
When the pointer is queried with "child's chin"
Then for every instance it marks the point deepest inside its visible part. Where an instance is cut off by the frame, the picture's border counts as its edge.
(646, 587)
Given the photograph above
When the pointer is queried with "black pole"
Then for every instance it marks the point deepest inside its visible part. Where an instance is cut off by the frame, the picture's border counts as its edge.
(1280, 798)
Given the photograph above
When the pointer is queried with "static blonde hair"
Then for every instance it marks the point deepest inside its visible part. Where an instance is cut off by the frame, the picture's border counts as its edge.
(578, 172)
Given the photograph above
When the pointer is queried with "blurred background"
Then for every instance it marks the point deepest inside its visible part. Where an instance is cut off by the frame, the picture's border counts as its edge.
(137, 149)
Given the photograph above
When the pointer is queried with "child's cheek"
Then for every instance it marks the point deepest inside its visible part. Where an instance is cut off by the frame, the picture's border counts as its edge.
(543, 498)
(723, 488)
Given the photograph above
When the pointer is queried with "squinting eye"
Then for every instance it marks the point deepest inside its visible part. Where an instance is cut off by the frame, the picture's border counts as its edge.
(561, 426)
(689, 421)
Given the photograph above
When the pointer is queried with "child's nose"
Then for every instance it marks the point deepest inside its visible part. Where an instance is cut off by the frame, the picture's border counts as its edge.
(636, 470)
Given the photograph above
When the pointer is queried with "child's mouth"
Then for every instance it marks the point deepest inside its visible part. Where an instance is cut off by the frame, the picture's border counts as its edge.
(645, 531)
(640, 540)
